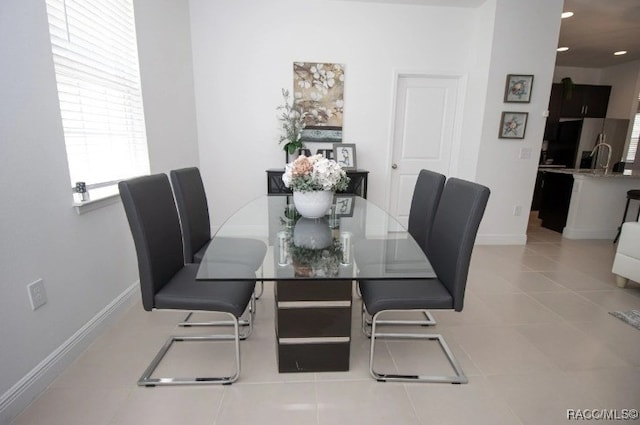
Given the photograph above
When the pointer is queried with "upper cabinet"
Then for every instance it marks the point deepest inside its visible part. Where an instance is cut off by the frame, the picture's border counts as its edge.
(584, 101)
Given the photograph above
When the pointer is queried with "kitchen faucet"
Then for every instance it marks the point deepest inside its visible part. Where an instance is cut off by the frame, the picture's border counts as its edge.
(601, 138)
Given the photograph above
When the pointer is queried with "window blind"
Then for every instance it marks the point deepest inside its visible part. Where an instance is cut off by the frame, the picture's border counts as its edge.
(635, 139)
(97, 73)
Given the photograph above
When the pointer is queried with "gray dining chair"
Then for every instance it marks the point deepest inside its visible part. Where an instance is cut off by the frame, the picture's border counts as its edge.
(449, 250)
(167, 283)
(193, 210)
(426, 197)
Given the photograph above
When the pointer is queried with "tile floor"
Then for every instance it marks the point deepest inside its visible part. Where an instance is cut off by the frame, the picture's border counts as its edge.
(534, 339)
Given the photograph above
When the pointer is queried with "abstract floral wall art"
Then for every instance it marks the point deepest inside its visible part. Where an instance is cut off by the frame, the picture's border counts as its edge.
(318, 90)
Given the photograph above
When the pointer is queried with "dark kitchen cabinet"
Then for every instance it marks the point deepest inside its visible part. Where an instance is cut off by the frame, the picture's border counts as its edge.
(585, 101)
(555, 200)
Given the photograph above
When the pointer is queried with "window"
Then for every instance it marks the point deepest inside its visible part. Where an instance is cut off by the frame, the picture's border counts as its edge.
(635, 139)
(96, 64)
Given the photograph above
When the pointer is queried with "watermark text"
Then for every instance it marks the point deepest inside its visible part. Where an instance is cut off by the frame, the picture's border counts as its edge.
(602, 414)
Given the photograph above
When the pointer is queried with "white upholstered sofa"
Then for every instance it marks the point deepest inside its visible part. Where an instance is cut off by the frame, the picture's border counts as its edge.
(626, 264)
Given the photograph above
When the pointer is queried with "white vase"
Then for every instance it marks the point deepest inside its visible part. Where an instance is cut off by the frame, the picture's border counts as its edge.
(313, 204)
(312, 233)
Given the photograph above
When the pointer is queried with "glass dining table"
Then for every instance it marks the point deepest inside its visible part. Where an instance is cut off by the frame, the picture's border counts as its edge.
(313, 264)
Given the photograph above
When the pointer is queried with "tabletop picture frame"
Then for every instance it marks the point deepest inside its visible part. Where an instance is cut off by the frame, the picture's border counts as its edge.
(513, 125)
(518, 88)
(344, 205)
(327, 153)
(345, 155)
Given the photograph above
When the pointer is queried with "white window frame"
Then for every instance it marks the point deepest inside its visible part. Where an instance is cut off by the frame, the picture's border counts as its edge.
(97, 73)
(635, 140)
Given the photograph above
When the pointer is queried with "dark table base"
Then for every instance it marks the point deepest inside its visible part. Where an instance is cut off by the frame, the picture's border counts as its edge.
(313, 325)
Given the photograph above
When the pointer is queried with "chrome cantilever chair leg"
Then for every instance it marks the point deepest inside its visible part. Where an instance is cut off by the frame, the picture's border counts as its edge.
(367, 320)
(458, 378)
(147, 380)
(251, 312)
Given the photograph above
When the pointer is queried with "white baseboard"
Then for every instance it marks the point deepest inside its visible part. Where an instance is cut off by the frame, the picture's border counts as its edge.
(501, 239)
(18, 397)
(589, 233)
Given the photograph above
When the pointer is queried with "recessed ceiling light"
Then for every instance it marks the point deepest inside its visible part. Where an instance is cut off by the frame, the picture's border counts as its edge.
(562, 49)
(621, 52)
(566, 15)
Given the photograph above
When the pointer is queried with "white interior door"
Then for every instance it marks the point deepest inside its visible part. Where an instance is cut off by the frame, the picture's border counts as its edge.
(423, 134)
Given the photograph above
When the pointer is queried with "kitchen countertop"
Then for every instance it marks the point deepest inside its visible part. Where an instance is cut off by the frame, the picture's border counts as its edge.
(632, 174)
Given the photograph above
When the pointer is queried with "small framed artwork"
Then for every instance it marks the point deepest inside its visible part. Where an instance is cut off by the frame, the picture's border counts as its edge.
(345, 155)
(513, 125)
(518, 88)
(344, 205)
(327, 153)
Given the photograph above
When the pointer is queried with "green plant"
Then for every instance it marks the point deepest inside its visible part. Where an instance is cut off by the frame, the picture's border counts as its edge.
(567, 87)
(317, 262)
(292, 121)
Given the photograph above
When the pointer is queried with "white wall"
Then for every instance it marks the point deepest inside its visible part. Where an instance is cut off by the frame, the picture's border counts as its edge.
(625, 82)
(518, 47)
(87, 261)
(164, 50)
(243, 53)
(578, 75)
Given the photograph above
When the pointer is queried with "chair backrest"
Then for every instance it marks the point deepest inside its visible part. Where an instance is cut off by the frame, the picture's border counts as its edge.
(153, 219)
(454, 232)
(193, 209)
(426, 196)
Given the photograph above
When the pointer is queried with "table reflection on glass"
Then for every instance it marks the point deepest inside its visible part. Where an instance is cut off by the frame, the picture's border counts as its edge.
(313, 263)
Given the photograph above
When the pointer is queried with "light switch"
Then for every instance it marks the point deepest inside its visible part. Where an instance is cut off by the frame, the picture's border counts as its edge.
(525, 153)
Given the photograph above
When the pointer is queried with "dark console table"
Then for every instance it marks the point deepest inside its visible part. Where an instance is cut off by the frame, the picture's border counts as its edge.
(357, 185)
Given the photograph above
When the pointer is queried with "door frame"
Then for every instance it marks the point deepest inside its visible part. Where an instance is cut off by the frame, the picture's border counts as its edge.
(457, 121)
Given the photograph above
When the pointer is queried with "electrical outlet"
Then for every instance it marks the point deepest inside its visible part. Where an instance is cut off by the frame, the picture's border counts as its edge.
(37, 294)
(517, 210)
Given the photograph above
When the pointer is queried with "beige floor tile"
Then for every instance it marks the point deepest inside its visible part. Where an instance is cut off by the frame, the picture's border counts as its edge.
(619, 337)
(542, 398)
(514, 309)
(501, 350)
(576, 280)
(570, 305)
(485, 281)
(74, 406)
(171, 405)
(570, 348)
(540, 263)
(364, 402)
(288, 403)
(532, 282)
(534, 337)
(460, 404)
(614, 388)
(613, 300)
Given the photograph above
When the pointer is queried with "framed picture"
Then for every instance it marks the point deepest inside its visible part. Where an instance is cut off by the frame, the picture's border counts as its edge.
(327, 153)
(518, 88)
(345, 155)
(318, 90)
(513, 125)
(344, 205)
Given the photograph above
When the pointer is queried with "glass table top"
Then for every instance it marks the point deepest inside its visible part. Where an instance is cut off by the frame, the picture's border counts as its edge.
(267, 240)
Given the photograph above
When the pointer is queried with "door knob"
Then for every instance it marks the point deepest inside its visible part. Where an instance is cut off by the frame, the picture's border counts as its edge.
(394, 166)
